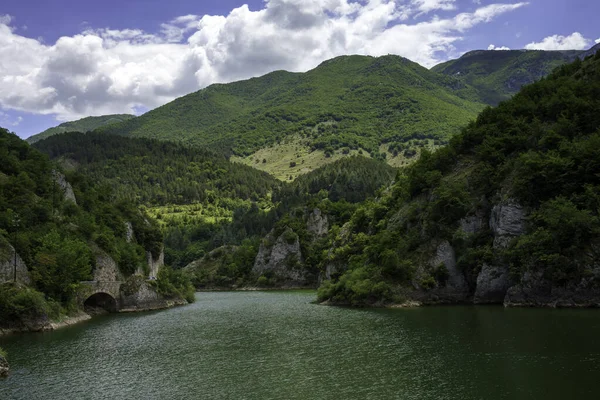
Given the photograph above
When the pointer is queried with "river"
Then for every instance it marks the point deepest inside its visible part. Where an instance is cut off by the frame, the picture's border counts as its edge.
(278, 345)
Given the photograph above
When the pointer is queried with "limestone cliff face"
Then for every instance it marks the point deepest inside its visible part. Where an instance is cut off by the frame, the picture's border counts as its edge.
(282, 257)
(452, 289)
(317, 223)
(65, 186)
(7, 266)
(506, 223)
(154, 264)
(107, 269)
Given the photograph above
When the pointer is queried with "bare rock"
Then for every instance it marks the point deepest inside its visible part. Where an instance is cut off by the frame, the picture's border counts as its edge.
(7, 265)
(129, 234)
(317, 223)
(445, 255)
(492, 284)
(281, 256)
(507, 222)
(107, 269)
(154, 264)
(65, 186)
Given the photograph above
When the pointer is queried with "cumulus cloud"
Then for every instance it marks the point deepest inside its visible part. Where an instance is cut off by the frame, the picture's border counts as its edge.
(104, 71)
(575, 41)
(597, 41)
(493, 47)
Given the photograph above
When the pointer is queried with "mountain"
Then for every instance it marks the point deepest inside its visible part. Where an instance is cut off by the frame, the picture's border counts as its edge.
(82, 125)
(508, 213)
(354, 102)
(499, 74)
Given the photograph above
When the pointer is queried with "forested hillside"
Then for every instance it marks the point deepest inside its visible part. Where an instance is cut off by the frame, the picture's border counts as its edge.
(352, 101)
(83, 125)
(58, 225)
(157, 173)
(508, 212)
(497, 75)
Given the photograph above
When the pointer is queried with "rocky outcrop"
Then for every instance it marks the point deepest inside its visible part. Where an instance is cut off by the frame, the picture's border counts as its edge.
(7, 266)
(317, 223)
(492, 284)
(439, 280)
(4, 367)
(154, 264)
(106, 269)
(129, 234)
(144, 298)
(65, 186)
(534, 290)
(507, 222)
(282, 258)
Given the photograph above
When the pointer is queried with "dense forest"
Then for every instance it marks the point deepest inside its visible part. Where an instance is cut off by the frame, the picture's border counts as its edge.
(156, 173)
(540, 150)
(83, 125)
(58, 236)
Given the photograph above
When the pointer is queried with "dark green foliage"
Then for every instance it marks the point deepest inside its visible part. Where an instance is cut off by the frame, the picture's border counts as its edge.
(82, 125)
(348, 102)
(541, 148)
(158, 173)
(174, 284)
(19, 306)
(53, 235)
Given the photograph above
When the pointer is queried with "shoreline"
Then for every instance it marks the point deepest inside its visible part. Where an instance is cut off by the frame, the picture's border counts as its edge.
(82, 316)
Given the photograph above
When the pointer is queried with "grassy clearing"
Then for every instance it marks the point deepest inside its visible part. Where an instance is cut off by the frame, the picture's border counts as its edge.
(291, 158)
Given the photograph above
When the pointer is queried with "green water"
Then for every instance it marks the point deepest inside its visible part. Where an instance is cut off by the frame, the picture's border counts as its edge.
(277, 345)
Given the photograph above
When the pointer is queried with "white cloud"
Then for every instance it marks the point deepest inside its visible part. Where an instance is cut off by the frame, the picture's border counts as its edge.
(597, 41)
(5, 19)
(493, 47)
(104, 71)
(575, 41)
(425, 6)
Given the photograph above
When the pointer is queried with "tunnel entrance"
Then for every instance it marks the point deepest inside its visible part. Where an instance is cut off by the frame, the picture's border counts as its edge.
(100, 303)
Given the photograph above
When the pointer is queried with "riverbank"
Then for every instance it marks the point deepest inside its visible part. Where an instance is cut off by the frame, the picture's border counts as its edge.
(49, 325)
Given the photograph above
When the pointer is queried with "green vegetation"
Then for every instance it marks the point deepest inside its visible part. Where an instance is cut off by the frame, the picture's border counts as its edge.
(156, 173)
(542, 149)
(352, 102)
(498, 75)
(82, 125)
(56, 238)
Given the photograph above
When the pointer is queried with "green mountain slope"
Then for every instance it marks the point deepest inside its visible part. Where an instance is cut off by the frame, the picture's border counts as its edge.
(498, 75)
(353, 101)
(82, 125)
(508, 213)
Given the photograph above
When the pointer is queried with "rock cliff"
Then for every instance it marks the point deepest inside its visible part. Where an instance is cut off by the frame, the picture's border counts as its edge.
(281, 257)
(65, 186)
(7, 265)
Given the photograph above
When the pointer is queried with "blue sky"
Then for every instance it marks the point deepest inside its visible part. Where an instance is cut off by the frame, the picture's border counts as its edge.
(63, 60)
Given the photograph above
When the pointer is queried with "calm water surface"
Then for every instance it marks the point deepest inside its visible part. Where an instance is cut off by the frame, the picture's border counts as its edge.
(277, 345)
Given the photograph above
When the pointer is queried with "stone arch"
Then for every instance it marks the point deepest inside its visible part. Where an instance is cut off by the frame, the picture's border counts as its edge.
(100, 303)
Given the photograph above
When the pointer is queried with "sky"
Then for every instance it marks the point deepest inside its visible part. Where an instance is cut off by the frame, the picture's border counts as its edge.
(61, 60)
